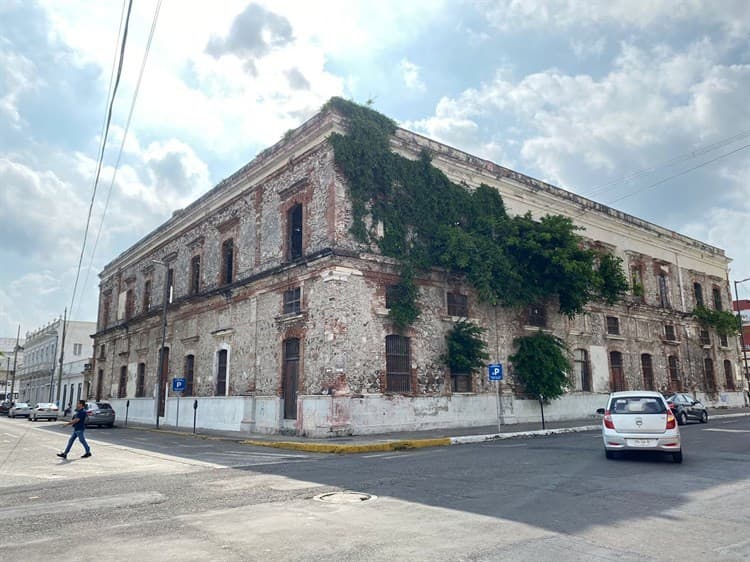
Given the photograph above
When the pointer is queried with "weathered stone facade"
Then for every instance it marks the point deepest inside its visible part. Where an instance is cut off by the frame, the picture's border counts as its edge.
(249, 340)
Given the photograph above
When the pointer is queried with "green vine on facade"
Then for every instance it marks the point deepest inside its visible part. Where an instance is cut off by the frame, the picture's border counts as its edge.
(541, 365)
(724, 322)
(428, 221)
(466, 350)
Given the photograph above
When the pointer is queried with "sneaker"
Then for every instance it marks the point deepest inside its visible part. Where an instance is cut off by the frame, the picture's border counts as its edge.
(85, 456)
(62, 455)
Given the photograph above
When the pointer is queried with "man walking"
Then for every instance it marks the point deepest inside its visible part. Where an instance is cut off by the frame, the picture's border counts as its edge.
(79, 426)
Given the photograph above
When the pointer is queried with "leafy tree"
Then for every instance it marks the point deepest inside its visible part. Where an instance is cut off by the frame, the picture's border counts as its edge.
(541, 365)
(724, 322)
(467, 351)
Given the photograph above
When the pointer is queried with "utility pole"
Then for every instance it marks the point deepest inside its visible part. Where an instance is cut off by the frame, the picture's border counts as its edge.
(15, 363)
(62, 354)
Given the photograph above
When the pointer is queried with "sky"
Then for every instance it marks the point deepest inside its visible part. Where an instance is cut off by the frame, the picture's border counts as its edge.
(639, 105)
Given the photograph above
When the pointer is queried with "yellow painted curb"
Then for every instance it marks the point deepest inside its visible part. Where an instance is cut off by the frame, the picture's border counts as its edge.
(343, 449)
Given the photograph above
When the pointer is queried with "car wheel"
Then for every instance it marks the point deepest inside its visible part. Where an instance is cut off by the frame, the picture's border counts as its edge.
(704, 416)
(677, 457)
(609, 454)
(682, 418)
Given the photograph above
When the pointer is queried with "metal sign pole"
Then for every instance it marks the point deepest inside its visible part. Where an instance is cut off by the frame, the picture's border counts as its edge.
(499, 406)
(179, 394)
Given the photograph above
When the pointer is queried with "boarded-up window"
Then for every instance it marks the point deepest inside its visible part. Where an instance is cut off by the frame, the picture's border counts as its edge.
(146, 295)
(397, 363)
(294, 225)
(613, 325)
(122, 389)
(221, 372)
(195, 274)
(717, 298)
(536, 315)
(663, 291)
(698, 294)
(582, 369)
(673, 366)
(140, 381)
(227, 262)
(647, 369)
(728, 375)
(290, 377)
(708, 372)
(458, 304)
(617, 375)
(189, 375)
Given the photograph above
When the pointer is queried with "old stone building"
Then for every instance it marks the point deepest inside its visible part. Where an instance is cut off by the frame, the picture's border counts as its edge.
(278, 317)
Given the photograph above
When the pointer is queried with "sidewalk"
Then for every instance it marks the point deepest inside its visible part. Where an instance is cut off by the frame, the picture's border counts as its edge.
(398, 441)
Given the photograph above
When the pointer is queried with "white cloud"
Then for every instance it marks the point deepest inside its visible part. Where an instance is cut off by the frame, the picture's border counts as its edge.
(410, 75)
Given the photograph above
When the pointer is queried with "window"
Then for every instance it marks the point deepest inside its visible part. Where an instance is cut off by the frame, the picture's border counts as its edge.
(397, 364)
(122, 390)
(227, 262)
(195, 274)
(723, 341)
(536, 315)
(708, 372)
(582, 370)
(102, 352)
(392, 293)
(77, 348)
(294, 223)
(189, 375)
(647, 369)
(673, 366)
(292, 301)
(458, 304)
(221, 373)
(129, 304)
(140, 381)
(669, 333)
(717, 298)
(636, 282)
(460, 382)
(146, 295)
(105, 310)
(663, 291)
(613, 325)
(617, 374)
(290, 376)
(728, 376)
(170, 285)
(698, 293)
(705, 339)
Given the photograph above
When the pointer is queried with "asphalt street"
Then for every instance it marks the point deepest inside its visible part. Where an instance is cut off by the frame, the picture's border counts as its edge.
(147, 495)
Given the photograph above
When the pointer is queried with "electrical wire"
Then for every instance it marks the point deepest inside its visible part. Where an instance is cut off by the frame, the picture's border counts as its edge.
(122, 144)
(103, 146)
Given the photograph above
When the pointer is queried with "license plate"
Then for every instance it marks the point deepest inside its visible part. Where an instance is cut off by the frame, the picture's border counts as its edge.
(641, 442)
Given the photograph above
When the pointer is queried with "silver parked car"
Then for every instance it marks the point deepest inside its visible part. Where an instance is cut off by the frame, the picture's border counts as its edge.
(44, 411)
(640, 421)
(99, 414)
(20, 409)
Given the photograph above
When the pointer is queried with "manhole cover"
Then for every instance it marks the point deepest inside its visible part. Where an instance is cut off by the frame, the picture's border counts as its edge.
(345, 497)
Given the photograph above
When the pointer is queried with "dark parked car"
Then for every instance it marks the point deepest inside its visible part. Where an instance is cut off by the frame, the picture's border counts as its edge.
(685, 407)
(4, 408)
(99, 414)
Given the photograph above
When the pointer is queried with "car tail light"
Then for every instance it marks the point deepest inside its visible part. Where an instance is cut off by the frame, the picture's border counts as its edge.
(671, 420)
(608, 423)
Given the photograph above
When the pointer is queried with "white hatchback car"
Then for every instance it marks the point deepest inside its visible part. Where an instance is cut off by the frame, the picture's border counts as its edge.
(640, 420)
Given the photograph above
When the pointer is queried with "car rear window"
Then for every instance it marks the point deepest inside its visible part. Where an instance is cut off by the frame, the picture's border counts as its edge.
(637, 405)
(103, 406)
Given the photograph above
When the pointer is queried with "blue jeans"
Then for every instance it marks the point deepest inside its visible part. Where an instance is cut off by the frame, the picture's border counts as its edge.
(77, 434)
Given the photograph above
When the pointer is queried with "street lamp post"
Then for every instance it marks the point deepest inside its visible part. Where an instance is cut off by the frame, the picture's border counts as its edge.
(742, 331)
(160, 365)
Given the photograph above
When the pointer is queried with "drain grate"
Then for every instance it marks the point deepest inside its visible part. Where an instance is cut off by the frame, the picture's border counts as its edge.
(345, 497)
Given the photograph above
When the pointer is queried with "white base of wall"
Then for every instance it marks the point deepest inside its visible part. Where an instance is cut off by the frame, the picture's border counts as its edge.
(333, 416)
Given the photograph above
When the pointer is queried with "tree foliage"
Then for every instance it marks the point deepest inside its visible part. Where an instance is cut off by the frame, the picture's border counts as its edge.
(541, 365)
(467, 351)
(430, 221)
(724, 322)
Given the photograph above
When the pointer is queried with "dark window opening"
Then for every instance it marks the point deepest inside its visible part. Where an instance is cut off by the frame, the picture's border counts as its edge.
(708, 371)
(613, 325)
(140, 381)
(290, 377)
(673, 366)
(170, 285)
(663, 292)
(458, 305)
(292, 301)
(583, 372)
(648, 371)
(723, 340)
(294, 221)
(460, 382)
(536, 315)
(669, 332)
(705, 339)
(189, 375)
(221, 373)
(397, 364)
(728, 375)
(129, 304)
(99, 383)
(102, 352)
(392, 293)
(698, 293)
(105, 311)
(617, 379)
(227, 262)
(195, 274)
(146, 295)
(717, 298)
(122, 389)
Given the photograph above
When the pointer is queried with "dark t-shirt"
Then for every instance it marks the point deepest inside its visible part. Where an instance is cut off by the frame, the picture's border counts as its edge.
(81, 423)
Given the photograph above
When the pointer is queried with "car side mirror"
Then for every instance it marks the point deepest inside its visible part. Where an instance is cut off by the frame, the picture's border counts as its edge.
(600, 411)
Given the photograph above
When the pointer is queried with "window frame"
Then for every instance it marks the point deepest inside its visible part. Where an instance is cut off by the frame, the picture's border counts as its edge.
(457, 304)
(613, 325)
(227, 262)
(397, 363)
(195, 274)
(292, 301)
(295, 231)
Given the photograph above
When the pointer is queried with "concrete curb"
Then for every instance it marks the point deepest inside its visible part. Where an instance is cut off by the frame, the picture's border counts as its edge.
(401, 445)
(536, 433)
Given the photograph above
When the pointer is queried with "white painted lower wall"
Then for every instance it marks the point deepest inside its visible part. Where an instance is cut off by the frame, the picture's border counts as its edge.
(329, 416)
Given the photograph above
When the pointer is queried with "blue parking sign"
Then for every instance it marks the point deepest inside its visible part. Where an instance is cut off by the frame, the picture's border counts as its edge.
(495, 371)
(178, 384)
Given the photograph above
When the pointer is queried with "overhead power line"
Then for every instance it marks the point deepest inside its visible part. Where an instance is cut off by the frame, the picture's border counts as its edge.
(103, 146)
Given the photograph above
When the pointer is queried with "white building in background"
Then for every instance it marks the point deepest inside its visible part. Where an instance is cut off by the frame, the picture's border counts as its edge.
(41, 374)
(7, 348)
